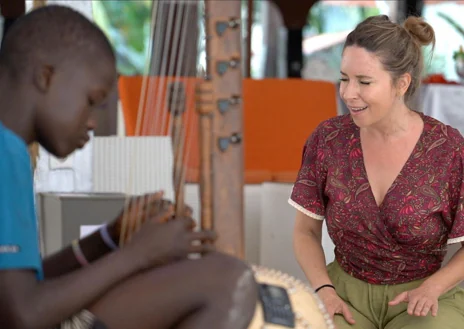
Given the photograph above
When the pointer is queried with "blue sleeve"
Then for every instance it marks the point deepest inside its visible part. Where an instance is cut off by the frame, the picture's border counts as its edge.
(19, 239)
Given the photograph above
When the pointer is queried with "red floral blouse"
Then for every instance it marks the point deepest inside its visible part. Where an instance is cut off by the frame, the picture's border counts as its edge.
(404, 239)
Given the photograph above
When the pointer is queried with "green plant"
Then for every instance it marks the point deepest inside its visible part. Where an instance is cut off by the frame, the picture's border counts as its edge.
(127, 25)
(459, 53)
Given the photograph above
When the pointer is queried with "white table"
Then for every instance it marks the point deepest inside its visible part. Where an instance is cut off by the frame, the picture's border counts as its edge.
(444, 103)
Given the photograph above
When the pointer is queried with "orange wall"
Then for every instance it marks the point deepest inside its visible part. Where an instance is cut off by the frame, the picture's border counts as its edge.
(278, 114)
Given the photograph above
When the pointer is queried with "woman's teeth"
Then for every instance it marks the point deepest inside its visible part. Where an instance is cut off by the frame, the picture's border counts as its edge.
(358, 109)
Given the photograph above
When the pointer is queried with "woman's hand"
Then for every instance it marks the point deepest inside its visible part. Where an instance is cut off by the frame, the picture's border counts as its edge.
(335, 305)
(421, 301)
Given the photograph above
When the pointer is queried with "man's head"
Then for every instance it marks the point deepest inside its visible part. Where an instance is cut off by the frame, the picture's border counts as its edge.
(64, 67)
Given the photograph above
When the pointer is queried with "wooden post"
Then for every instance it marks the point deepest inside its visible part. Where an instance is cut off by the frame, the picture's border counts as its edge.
(39, 3)
(409, 8)
(249, 29)
(295, 15)
(221, 125)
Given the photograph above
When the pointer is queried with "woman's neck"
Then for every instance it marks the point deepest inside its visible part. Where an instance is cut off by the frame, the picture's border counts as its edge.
(399, 122)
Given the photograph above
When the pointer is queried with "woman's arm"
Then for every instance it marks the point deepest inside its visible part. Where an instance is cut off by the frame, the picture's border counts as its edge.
(310, 255)
(449, 276)
(424, 299)
(307, 242)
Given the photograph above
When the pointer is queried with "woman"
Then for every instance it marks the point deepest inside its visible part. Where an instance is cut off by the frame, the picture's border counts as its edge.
(388, 180)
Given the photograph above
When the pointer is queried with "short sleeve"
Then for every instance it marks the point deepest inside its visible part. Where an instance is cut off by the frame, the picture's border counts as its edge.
(308, 191)
(456, 194)
(19, 240)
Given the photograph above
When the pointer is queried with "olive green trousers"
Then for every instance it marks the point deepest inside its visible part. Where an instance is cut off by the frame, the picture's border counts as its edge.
(369, 305)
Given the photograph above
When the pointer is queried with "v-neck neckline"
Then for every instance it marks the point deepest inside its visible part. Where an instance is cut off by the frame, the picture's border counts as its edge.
(400, 173)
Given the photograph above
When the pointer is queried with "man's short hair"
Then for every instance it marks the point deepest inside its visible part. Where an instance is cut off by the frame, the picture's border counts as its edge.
(55, 35)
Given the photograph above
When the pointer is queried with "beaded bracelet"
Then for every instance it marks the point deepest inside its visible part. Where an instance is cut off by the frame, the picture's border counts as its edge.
(107, 238)
(78, 253)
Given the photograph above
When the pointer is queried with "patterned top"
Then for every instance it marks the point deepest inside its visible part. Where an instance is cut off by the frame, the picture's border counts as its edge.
(405, 238)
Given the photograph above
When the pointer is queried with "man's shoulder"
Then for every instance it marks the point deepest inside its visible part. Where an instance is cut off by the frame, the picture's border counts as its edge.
(13, 149)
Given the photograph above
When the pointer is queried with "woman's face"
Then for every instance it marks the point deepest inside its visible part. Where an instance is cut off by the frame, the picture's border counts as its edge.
(366, 87)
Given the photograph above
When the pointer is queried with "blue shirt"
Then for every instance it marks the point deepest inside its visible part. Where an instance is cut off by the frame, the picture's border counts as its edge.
(19, 238)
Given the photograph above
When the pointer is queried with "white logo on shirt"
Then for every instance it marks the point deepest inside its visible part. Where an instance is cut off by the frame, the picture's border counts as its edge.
(9, 249)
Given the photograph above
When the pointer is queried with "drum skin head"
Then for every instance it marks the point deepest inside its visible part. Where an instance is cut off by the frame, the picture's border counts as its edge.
(310, 312)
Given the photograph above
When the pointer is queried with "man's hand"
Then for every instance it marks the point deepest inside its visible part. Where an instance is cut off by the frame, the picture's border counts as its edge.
(158, 242)
(421, 300)
(140, 209)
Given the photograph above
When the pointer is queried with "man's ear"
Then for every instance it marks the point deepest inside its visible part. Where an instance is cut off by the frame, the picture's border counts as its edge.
(43, 77)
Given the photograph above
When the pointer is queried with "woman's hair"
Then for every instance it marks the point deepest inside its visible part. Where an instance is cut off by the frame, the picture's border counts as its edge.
(399, 47)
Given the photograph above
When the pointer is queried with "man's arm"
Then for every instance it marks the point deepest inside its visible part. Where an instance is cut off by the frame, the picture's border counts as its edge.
(64, 261)
(27, 303)
(94, 247)
(25, 300)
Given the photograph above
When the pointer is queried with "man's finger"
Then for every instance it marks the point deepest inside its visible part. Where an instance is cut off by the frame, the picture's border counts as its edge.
(203, 248)
(187, 222)
(157, 206)
(163, 216)
(152, 197)
(203, 236)
(188, 211)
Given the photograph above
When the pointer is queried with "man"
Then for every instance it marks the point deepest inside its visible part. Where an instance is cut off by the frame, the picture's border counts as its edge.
(56, 67)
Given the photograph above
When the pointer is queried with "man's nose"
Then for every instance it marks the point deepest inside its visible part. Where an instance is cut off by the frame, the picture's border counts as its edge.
(92, 123)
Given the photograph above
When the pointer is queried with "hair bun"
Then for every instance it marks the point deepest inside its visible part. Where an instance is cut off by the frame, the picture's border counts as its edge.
(420, 30)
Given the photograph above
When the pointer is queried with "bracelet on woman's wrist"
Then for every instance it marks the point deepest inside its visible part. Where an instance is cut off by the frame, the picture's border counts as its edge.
(325, 286)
